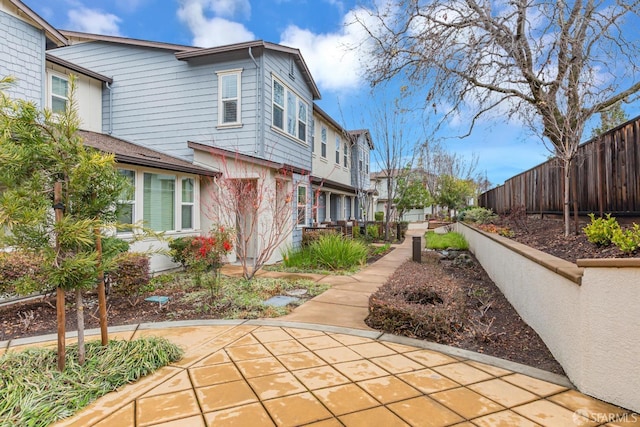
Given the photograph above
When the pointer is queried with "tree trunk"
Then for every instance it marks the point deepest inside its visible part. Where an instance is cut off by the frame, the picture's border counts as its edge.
(567, 197)
(80, 319)
(60, 303)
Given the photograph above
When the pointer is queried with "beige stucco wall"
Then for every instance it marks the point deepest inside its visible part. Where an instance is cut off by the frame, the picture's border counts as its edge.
(327, 167)
(587, 314)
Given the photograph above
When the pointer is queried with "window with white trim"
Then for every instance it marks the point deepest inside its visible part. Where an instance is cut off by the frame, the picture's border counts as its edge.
(338, 146)
(229, 108)
(345, 154)
(288, 107)
(126, 206)
(187, 201)
(159, 201)
(323, 142)
(302, 205)
(59, 94)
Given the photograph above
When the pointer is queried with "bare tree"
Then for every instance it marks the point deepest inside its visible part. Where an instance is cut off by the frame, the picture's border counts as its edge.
(552, 64)
(258, 201)
(395, 142)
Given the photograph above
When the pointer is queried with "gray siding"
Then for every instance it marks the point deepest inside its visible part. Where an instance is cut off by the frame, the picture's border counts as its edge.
(161, 102)
(22, 49)
(278, 146)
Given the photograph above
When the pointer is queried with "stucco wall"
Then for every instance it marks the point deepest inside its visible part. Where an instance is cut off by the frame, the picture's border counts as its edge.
(587, 314)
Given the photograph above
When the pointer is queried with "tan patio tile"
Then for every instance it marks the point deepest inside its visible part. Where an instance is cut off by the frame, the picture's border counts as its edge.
(414, 412)
(589, 407)
(247, 352)
(303, 360)
(466, 402)
(503, 393)
(303, 333)
(271, 335)
(214, 359)
(166, 407)
(345, 398)
(326, 423)
(284, 347)
(493, 370)
(247, 415)
(372, 349)
(296, 410)
(258, 367)
(179, 382)
(226, 395)
(397, 363)
(276, 385)
(214, 374)
(428, 381)
(400, 348)
(549, 414)
(534, 385)
(430, 358)
(246, 339)
(195, 421)
(359, 370)
(388, 389)
(337, 354)
(379, 416)
(351, 339)
(319, 342)
(504, 419)
(124, 417)
(319, 377)
(462, 373)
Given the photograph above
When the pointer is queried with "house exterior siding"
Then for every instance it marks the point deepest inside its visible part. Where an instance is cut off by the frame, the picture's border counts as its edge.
(22, 49)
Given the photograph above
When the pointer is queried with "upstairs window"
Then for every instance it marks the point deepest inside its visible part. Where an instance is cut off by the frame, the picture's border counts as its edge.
(287, 106)
(345, 154)
(338, 145)
(59, 94)
(323, 142)
(229, 97)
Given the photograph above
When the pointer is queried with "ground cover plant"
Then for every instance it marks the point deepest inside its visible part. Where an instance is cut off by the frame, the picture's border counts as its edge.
(450, 240)
(329, 252)
(34, 393)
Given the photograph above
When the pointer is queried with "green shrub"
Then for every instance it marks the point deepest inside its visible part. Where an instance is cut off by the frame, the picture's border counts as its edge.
(373, 232)
(627, 241)
(310, 236)
(113, 246)
(451, 240)
(335, 252)
(601, 230)
(298, 258)
(21, 273)
(177, 249)
(131, 275)
(379, 216)
(478, 216)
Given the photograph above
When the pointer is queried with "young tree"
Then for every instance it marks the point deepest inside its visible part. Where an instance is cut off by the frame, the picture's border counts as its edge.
(550, 64)
(44, 168)
(256, 200)
(412, 193)
(453, 192)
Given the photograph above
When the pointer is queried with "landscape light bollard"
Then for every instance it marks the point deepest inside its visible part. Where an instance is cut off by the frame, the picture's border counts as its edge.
(417, 248)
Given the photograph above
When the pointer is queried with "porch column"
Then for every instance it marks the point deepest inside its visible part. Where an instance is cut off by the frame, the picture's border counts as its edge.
(343, 207)
(352, 201)
(327, 207)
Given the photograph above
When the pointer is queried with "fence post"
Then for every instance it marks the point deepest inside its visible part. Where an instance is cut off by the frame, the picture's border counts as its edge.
(417, 249)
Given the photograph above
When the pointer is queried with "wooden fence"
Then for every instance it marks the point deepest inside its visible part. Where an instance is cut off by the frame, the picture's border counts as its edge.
(606, 173)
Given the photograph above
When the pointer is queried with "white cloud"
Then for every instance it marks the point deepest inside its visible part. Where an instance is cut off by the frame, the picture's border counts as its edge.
(93, 21)
(335, 59)
(215, 31)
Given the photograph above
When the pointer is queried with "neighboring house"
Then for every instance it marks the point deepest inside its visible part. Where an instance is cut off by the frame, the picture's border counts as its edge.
(362, 144)
(379, 182)
(166, 192)
(253, 99)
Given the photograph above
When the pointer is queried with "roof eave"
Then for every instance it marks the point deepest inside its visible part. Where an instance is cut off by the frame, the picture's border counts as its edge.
(54, 34)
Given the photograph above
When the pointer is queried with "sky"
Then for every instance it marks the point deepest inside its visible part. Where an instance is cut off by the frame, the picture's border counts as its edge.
(321, 30)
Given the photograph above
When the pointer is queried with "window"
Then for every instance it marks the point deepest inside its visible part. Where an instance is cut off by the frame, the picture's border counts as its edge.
(59, 94)
(323, 142)
(187, 203)
(360, 159)
(338, 146)
(286, 104)
(229, 97)
(302, 204)
(159, 201)
(345, 154)
(126, 206)
(278, 105)
(366, 156)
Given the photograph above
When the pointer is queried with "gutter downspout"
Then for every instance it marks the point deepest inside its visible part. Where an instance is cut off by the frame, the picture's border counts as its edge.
(258, 103)
(110, 131)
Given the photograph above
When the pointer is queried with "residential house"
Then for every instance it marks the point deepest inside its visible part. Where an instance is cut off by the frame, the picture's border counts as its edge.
(250, 102)
(166, 192)
(362, 144)
(379, 182)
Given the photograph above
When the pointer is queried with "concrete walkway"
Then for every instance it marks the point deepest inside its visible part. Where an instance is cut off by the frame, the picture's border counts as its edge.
(322, 366)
